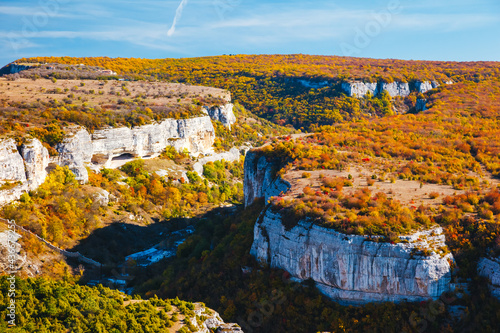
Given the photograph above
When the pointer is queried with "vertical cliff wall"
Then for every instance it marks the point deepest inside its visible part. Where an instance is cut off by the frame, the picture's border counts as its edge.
(197, 135)
(490, 268)
(25, 170)
(351, 269)
(224, 114)
(259, 179)
(21, 171)
(360, 89)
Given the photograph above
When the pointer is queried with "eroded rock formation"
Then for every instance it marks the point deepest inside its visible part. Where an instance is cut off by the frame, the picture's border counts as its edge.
(347, 268)
(360, 89)
(21, 171)
(194, 134)
(224, 114)
(352, 269)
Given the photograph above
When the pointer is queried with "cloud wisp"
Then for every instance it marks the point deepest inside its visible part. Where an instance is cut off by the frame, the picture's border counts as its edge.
(178, 14)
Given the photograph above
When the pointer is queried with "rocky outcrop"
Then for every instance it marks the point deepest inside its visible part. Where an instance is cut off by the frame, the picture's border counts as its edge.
(229, 156)
(360, 89)
(194, 134)
(490, 268)
(351, 269)
(101, 197)
(13, 69)
(36, 160)
(395, 88)
(224, 114)
(21, 171)
(425, 86)
(74, 151)
(197, 135)
(11, 163)
(213, 321)
(260, 180)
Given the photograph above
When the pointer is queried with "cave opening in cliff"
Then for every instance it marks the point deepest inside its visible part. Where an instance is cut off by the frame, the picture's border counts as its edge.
(123, 157)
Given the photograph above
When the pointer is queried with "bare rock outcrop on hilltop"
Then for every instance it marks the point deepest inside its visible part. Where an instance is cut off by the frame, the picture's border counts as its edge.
(360, 89)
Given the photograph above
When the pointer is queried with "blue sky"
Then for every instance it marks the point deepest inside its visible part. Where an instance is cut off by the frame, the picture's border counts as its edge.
(403, 29)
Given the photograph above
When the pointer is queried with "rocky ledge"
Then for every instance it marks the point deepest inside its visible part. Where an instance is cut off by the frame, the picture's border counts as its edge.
(348, 268)
(360, 89)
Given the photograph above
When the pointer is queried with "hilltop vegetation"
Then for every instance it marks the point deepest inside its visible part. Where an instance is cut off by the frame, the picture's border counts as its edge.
(270, 85)
(44, 305)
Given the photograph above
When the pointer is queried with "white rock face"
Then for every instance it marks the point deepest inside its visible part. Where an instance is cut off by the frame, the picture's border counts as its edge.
(349, 268)
(259, 180)
(395, 88)
(230, 156)
(425, 86)
(224, 114)
(359, 89)
(29, 172)
(101, 197)
(490, 268)
(197, 135)
(194, 134)
(75, 151)
(36, 159)
(11, 162)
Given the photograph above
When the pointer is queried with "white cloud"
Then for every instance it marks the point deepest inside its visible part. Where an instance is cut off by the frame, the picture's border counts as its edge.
(178, 14)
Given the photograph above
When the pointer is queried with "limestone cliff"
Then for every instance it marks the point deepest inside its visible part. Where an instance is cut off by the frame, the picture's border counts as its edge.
(194, 134)
(25, 170)
(490, 268)
(425, 86)
(395, 88)
(259, 180)
(74, 151)
(350, 268)
(347, 268)
(13, 69)
(21, 171)
(360, 89)
(36, 160)
(224, 114)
